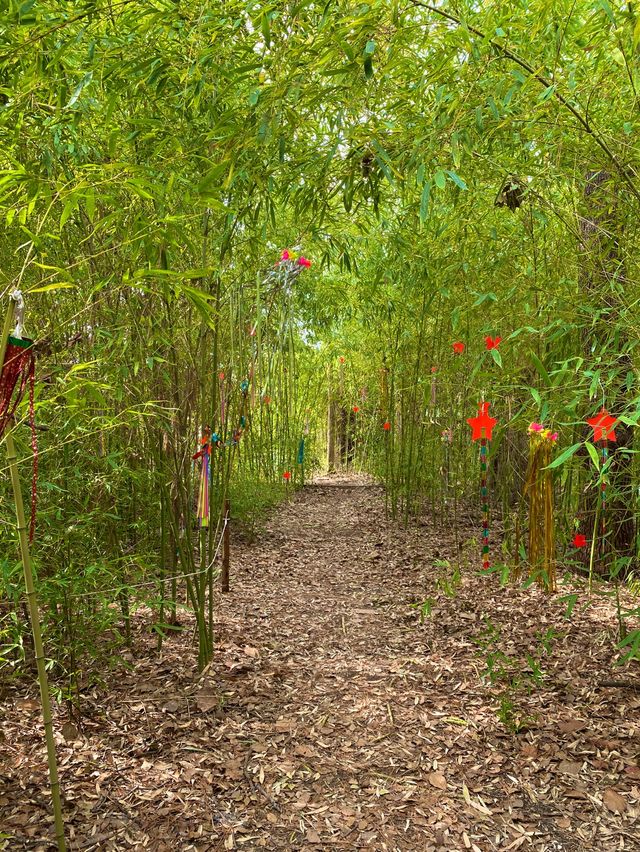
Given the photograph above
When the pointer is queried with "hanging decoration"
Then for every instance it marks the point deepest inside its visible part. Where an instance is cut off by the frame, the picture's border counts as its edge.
(482, 430)
(458, 347)
(287, 269)
(539, 487)
(300, 456)
(17, 367)
(204, 454)
(386, 426)
(18, 370)
(603, 432)
(602, 425)
(579, 540)
(492, 342)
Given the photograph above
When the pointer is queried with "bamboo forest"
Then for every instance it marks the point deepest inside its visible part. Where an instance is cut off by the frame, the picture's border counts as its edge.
(319, 415)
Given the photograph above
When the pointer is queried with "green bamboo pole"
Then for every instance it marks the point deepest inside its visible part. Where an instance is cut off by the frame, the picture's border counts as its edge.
(33, 608)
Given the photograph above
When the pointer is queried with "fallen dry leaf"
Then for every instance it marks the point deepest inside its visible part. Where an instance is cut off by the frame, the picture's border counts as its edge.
(572, 726)
(614, 801)
(206, 701)
(437, 779)
(569, 767)
(69, 731)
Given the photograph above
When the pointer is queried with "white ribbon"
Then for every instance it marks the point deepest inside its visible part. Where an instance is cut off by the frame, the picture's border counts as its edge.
(18, 298)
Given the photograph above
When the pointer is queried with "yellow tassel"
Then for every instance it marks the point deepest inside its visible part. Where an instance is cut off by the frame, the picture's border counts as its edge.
(539, 487)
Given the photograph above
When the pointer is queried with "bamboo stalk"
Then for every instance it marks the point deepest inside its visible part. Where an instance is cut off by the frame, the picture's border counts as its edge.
(224, 577)
(33, 610)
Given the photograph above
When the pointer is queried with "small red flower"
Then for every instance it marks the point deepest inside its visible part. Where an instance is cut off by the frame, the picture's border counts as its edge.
(266, 400)
(458, 347)
(579, 540)
(492, 342)
(221, 376)
(386, 425)
(342, 359)
(434, 369)
(355, 409)
(303, 261)
(286, 475)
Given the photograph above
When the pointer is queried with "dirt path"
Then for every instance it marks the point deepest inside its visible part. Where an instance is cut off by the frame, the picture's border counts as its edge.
(333, 718)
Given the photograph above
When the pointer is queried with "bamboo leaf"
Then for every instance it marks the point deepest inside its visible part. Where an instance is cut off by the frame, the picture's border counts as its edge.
(457, 180)
(593, 453)
(564, 456)
(537, 363)
(424, 201)
(546, 94)
(88, 77)
(59, 285)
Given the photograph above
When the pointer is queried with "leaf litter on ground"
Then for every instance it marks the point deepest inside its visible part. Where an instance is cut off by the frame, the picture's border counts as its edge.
(335, 717)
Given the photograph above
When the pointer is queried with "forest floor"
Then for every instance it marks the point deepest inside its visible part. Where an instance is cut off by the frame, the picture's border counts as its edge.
(333, 717)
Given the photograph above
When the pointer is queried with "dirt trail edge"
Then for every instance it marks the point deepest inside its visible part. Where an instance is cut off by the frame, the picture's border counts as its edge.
(333, 717)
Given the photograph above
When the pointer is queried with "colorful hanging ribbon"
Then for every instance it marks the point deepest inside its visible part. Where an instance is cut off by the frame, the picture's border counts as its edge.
(19, 368)
(603, 489)
(485, 503)
(481, 430)
(204, 454)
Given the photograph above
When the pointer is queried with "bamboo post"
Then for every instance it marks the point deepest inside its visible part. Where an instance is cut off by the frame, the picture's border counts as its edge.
(224, 577)
(33, 608)
(331, 424)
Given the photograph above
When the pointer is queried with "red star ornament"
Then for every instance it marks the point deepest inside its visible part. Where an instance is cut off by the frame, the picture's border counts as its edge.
(482, 424)
(602, 425)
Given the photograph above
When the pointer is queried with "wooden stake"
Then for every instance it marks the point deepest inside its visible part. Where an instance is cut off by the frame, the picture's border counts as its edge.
(34, 615)
(224, 577)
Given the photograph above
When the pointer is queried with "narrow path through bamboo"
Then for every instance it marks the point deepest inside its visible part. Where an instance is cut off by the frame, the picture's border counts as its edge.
(332, 718)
